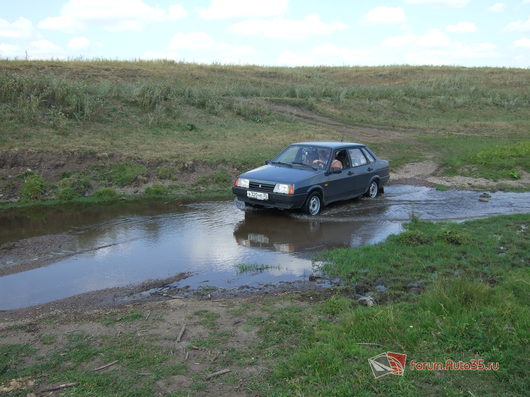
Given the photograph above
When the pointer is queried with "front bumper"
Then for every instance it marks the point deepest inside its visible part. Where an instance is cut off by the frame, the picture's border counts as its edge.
(276, 200)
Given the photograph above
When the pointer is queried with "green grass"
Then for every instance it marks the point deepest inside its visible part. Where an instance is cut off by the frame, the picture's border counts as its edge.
(73, 361)
(475, 305)
(458, 319)
(33, 188)
(206, 318)
(481, 249)
(488, 157)
(253, 268)
(219, 113)
(129, 317)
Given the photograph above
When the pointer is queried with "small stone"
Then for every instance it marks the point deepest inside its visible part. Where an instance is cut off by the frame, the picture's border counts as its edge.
(366, 301)
(483, 199)
(381, 288)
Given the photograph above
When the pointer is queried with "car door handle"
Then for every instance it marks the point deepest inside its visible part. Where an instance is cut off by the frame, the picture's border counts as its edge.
(350, 172)
(370, 168)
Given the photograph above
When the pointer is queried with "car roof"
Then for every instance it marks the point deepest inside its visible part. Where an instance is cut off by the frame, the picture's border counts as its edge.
(329, 144)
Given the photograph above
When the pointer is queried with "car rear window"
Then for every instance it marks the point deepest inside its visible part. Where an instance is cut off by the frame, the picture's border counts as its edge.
(357, 157)
(368, 155)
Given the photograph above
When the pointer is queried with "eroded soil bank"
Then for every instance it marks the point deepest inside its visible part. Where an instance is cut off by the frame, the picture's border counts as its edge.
(82, 174)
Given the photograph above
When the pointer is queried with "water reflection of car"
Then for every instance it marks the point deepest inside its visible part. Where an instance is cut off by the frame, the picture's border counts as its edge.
(310, 175)
(273, 230)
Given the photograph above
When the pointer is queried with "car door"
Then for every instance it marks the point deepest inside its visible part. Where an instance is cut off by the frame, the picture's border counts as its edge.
(362, 171)
(339, 185)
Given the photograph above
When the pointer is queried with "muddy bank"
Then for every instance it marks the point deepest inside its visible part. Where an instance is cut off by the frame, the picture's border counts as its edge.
(85, 173)
(153, 291)
(57, 166)
(160, 322)
(427, 173)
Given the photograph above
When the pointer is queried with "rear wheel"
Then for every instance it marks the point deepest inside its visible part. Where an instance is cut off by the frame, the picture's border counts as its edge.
(313, 204)
(373, 190)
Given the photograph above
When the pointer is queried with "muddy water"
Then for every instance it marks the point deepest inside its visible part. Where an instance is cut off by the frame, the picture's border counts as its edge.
(49, 254)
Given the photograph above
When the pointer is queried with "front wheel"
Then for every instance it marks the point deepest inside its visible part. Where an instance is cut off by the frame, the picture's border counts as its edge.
(373, 190)
(313, 204)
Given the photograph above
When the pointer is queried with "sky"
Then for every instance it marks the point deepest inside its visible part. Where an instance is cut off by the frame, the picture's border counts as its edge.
(271, 32)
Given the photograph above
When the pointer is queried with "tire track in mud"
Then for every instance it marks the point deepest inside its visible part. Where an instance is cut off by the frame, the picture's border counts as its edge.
(367, 134)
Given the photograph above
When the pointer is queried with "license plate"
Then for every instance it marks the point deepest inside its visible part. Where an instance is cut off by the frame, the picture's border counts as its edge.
(258, 195)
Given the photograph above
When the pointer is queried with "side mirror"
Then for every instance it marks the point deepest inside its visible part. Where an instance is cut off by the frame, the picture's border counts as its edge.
(336, 170)
(267, 162)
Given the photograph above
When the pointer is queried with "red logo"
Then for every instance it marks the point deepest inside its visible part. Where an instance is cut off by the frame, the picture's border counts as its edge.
(388, 363)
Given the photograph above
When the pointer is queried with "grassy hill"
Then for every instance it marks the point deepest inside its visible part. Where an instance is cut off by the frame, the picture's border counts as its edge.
(470, 121)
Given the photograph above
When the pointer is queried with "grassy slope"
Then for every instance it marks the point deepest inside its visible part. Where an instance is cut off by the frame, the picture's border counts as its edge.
(219, 113)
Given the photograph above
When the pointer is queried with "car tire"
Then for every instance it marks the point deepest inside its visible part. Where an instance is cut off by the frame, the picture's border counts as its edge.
(313, 204)
(373, 190)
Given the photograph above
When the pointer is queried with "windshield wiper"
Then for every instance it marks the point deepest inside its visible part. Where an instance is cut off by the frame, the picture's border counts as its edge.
(304, 164)
(281, 162)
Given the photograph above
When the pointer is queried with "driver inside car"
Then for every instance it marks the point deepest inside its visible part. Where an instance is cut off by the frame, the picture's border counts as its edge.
(336, 163)
(323, 156)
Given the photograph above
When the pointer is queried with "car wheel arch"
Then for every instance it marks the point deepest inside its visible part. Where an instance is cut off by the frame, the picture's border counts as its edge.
(318, 189)
(376, 179)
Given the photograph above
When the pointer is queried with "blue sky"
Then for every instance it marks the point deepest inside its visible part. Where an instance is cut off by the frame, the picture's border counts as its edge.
(271, 32)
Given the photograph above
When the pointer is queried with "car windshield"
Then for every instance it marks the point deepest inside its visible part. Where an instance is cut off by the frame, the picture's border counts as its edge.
(305, 155)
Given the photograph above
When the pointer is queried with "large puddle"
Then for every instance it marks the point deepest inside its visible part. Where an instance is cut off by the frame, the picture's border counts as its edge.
(76, 250)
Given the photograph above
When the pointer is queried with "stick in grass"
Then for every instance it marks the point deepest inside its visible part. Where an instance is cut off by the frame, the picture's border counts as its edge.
(218, 373)
(105, 366)
(59, 387)
(181, 333)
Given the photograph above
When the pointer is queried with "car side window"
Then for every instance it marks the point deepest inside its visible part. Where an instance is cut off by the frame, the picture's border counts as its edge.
(357, 157)
(342, 156)
(368, 155)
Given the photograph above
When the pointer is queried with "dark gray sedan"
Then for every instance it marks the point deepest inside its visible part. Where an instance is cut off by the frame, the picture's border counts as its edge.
(310, 175)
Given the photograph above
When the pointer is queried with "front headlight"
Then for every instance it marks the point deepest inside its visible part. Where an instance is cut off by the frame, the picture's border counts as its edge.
(283, 188)
(242, 182)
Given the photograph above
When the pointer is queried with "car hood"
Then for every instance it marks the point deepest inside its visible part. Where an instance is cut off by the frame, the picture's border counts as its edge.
(279, 174)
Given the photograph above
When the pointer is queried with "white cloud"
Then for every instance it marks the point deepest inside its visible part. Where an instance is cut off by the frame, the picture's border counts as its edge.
(385, 15)
(20, 29)
(411, 49)
(497, 7)
(281, 28)
(202, 48)
(79, 43)
(456, 54)
(522, 43)
(462, 27)
(124, 26)
(43, 49)
(399, 41)
(447, 3)
(518, 26)
(329, 54)
(176, 12)
(191, 41)
(62, 23)
(115, 15)
(10, 51)
(434, 38)
(224, 9)
(37, 49)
